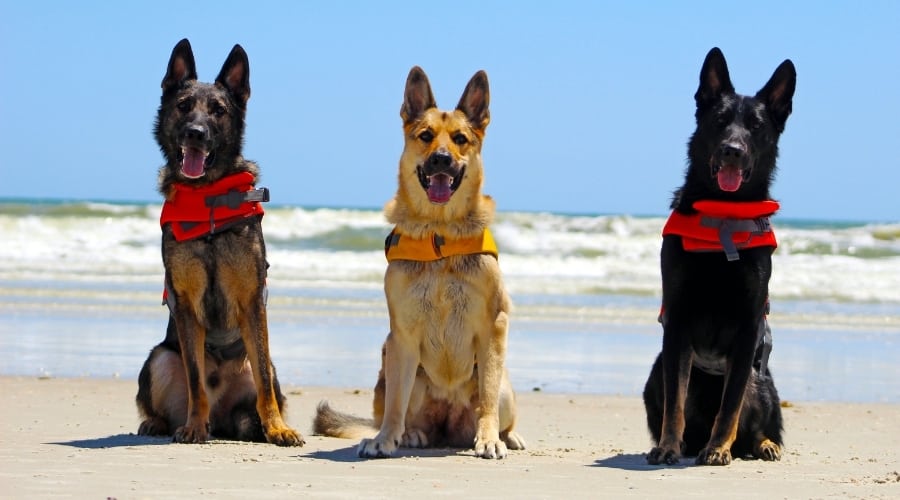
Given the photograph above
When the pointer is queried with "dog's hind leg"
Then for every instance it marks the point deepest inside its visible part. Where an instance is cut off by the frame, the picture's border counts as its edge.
(508, 416)
(766, 449)
(162, 393)
(242, 422)
(767, 440)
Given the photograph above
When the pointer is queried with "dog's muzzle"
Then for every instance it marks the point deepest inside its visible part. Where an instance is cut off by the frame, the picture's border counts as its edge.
(729, 166)
(195, 154)
(440, 176)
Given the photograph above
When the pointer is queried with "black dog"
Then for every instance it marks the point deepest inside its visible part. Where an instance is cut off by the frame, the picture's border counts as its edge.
(710, 393)
(213, 373)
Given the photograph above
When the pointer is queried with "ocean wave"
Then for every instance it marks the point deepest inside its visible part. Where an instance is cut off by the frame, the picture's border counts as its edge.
(541, 253)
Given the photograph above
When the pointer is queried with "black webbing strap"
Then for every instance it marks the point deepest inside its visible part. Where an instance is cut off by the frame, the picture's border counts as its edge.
(728, 226)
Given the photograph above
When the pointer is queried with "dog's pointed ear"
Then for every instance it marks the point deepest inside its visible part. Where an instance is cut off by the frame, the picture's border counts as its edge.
(181, 66)
(778, 93)
(417, 98)
(235, 74)
(714, 79)
(475, 101)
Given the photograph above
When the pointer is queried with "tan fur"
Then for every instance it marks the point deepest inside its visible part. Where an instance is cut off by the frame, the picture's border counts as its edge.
(443, 379)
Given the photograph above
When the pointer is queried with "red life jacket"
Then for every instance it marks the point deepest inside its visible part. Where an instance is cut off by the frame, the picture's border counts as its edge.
(724, 226)
(202, 211)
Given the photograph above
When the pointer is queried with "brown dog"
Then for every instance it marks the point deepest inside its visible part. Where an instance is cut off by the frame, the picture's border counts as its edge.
(212, 374)
(443, 379)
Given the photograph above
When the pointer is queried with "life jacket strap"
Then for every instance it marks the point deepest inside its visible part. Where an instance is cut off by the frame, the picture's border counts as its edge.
(234, 198)
(728, 226)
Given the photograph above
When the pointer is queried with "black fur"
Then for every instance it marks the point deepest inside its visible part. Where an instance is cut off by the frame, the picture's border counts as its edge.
(713, 307)
(212, 374)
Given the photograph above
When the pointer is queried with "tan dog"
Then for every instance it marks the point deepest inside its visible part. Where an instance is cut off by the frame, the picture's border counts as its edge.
(443, 380)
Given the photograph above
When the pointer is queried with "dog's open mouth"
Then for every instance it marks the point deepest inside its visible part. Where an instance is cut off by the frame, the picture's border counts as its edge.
(730, 176)
(194, 161)
(440, 186)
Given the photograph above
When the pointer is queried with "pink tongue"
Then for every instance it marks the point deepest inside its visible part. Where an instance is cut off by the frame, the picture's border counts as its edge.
(439, 188)
(729, 178)
(193, 163)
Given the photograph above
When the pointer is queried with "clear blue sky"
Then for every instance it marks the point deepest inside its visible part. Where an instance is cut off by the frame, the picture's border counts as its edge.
(591, 102)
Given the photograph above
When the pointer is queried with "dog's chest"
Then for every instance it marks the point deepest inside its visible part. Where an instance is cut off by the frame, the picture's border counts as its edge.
(451, 307)
(443, 311)
(215, 279)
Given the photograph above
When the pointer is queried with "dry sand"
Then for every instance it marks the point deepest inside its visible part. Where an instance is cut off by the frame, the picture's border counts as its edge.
(75, 438)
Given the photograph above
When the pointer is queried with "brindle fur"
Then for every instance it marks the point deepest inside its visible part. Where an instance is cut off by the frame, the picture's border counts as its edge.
(713, 307)
(212, 375)
(443, 380)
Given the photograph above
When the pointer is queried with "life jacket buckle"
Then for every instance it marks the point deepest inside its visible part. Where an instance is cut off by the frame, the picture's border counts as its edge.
(234, 199)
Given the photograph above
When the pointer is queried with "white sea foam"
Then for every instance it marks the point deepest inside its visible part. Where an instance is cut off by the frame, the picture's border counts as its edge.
(540, 253)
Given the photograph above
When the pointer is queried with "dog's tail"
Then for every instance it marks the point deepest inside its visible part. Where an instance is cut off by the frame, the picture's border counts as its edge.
(332, 423)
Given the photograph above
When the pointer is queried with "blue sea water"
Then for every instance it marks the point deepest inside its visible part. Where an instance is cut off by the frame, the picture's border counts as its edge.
(80, 290)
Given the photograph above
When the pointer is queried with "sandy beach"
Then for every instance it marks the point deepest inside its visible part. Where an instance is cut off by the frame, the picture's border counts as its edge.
(74, 437)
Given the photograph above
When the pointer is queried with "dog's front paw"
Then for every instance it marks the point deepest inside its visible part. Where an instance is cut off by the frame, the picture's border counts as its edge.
(714, 456)
(768, 450)
(660, 455)
(285, 437)
(490, 448)
(193, 434)
(378, 447)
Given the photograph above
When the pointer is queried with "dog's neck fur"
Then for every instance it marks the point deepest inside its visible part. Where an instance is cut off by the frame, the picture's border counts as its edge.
(454, 220)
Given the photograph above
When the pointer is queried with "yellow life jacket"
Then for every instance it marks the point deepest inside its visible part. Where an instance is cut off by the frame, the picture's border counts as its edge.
(398, 246)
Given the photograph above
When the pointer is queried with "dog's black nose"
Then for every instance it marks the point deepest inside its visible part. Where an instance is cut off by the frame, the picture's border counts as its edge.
(439, 161)
(195, 133)
(731, 151)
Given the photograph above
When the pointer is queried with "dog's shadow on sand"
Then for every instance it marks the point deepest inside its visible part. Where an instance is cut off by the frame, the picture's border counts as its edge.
(116, 441)
(349, 454)
(633, 462)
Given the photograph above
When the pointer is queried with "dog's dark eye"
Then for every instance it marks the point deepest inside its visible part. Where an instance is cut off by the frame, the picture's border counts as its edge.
(460, 139)
(218, 109)
(184, 106)
(426, 136)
